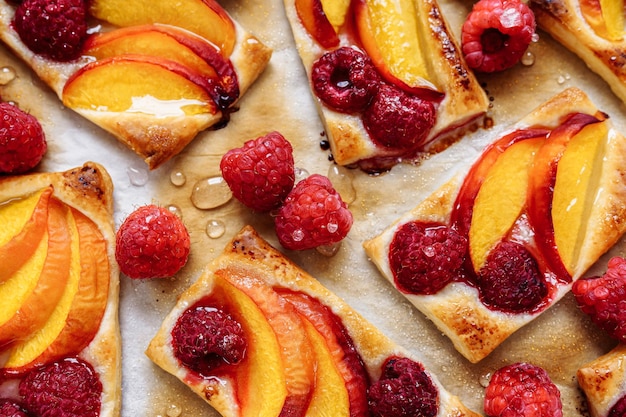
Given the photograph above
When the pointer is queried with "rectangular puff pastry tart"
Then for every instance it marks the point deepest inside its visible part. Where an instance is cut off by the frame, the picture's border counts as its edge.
(257, 336)
(59, 285)
(388, 77)
(603, 380)
(501, 242)
(149, 75)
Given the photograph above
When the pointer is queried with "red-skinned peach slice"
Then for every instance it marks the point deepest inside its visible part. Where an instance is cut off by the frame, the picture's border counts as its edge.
(34, 311)
(203, 17)
(77, 317)
(15, 252)
(123, 83)
(315, 21)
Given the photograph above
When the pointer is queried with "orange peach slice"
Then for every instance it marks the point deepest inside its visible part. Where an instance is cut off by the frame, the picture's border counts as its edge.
(204, 17)
(313, 16)
(336, 12)
(613, 15)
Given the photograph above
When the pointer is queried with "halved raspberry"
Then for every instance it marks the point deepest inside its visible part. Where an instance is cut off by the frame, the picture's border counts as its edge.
(10, 408)
(205, 338)
(152, 243)
(398, 120)
(261, 172)
(313, 215)
(604, 298)
(22, 140)
(68, 388)
(496, 34)
(425, 257)
(522, 390)
(403, 390)
(345, 79)
(53, 28)
(510, 280)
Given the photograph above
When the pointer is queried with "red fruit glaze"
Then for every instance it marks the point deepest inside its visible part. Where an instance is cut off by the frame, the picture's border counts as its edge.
(22, 140)
(619, 409)
(496, 34)
(603, 298)
(10, 408)
(522, 390)
(152, 243)
(312, 215)
(261, 173)
(403, 390)
(68, 388)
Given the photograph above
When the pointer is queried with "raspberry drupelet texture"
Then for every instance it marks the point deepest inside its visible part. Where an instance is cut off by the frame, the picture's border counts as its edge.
(152, 243)
(68, 388)
(312, 215)
(205, 338)
(10, 408)
(603, 298)
(22, 140)
(522, 390)
(261, 173)
(496, 34)
(56, 29)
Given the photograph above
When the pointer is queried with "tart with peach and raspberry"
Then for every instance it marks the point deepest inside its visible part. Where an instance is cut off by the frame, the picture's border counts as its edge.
(389, 78)
(59, 332)
(143, 71)
(256, 335)
(504, 239)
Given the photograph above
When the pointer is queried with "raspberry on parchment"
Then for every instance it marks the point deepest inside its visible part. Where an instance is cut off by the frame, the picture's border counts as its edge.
(22, 140)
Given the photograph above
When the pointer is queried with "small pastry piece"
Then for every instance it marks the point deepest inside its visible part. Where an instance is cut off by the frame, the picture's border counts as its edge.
(59, 317)
(504, 240)
(256, 335)
(604, 382)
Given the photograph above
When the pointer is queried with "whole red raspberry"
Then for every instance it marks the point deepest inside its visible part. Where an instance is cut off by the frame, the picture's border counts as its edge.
(22, 140)
(68, 388)
(398, 120)
(152, 243)
(260, 173)
(205, 338)
(345, 79)
(522, 390)
(53, 28)
(313, 215)
(425, 257)
(496, 34)
(10, 408)
(604, 298)
(403, 390)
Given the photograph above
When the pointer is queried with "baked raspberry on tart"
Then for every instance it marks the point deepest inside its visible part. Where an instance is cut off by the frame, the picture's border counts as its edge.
(256, 335)
(389, 79)
(140, 71)
(60, 350)
(504, 239)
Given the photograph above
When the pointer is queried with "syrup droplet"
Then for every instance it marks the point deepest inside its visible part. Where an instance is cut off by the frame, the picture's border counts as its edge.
(560, 79)
(137, 176)
(528, 59)
(7, 74)
(210, 193)
(173, 410)
(178, 178)
(300, 173)
(174, 209)
(329, 250)
(535, 37)
(342, 179)
(484, 380)
(215, 228)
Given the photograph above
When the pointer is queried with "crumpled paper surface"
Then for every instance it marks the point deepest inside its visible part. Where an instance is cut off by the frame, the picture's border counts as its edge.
(560, 341)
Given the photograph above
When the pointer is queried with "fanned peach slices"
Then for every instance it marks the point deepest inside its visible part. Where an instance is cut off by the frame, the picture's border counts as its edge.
(257, 336)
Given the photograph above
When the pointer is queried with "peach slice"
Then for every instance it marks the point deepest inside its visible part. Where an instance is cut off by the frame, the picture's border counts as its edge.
(336, 12)
(26, 231)
(613, 15)
(313, 16)
(203, 17)
(138, 83)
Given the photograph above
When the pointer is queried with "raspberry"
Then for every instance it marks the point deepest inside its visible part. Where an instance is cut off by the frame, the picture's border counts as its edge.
(68, 388)
(619, 409)
(522, 390)
(260, 173)
(604, 298)
(152, 243)
(403, 390)
(425, 257)
(313, 215)
(398, 120)
(204, 338)
(510, 280)
(496, 34)
(53, 28)
(22, 140)
(345, 79)
(9, 408)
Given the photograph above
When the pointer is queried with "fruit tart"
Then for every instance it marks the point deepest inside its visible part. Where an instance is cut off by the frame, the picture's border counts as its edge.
(256, 335)
(142, 70)
(503, 240)
(389, 78)
(603, 381)
(591, 29)
(59, 332)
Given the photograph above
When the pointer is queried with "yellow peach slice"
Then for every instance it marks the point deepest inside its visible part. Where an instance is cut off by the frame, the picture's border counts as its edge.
(336, 12)
(613, 15)
(500, 199)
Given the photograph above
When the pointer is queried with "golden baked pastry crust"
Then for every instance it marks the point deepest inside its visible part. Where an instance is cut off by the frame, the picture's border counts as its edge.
(603, 380)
